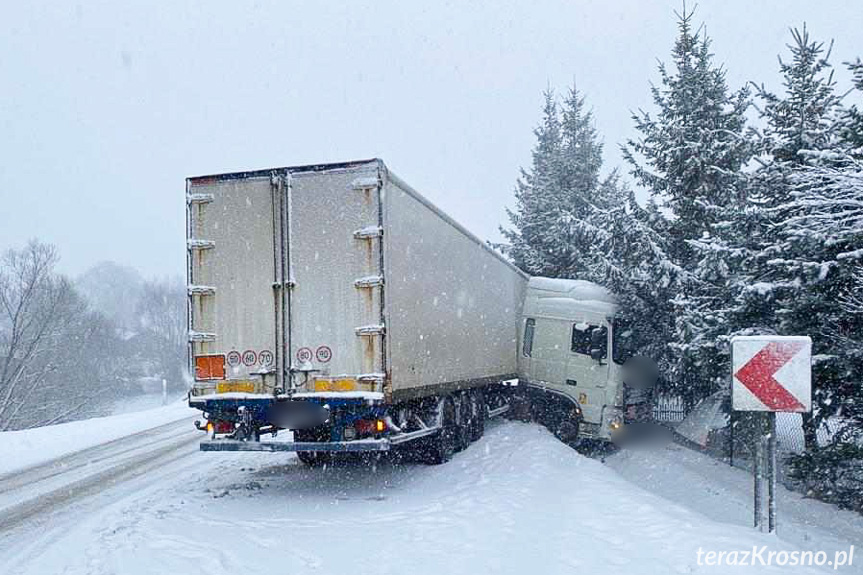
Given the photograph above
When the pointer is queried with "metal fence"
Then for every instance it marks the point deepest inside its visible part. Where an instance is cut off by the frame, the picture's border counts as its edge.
(670, 409)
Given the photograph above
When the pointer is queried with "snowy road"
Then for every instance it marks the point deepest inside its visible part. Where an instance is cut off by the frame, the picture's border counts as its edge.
(517, 501)
(42, 488)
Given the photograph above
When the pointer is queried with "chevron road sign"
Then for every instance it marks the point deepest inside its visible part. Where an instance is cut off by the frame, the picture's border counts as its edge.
(771, 373)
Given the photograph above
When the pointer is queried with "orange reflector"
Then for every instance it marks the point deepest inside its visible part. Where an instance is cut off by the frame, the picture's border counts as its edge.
(380, 425)
(210, 366)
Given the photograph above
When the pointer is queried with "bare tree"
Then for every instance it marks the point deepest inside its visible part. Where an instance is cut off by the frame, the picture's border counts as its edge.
(52, 349)
(162, 318)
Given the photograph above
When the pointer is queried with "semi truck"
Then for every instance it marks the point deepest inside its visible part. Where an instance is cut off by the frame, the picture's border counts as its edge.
(336, 302)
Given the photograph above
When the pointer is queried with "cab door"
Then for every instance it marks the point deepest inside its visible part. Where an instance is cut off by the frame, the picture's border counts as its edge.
(549, 355)
(587, 370)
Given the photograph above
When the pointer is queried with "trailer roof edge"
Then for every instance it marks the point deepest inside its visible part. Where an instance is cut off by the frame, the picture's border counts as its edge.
(448, 219)
(227, 176)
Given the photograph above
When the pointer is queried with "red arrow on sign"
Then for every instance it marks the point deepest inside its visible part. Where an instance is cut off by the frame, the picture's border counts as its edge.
(757, 375)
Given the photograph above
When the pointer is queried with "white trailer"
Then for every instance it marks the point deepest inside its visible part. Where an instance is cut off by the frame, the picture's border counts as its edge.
(341, 287)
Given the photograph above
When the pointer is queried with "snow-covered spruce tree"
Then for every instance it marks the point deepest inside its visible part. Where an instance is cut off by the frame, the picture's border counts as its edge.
(852, 121)
(538, 192)
(557, 198)
(630, 257)
(792, 275)
(823, 225)
(689, 156)
(577, 223)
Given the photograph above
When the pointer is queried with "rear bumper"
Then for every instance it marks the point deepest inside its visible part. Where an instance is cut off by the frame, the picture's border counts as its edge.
(357, 445)
(333, 446)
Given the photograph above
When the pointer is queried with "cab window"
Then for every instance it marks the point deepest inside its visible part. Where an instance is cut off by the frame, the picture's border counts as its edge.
(587, 336)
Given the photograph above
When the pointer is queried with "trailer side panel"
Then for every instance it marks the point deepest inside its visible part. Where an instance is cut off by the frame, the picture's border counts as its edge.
(453, 305)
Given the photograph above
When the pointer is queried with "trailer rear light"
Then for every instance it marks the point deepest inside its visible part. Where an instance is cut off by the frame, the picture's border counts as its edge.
(219, 426)
(369, 426)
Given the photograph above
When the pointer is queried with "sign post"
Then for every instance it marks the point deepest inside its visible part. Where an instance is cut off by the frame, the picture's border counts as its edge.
(770, 374)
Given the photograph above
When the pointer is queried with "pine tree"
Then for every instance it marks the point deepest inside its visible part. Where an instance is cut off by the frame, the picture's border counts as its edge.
(695, 146)
(537, 194)
(822, 224)
(851, 132)
(690, 158)
(558, 198)
(793, 276)
(803, 119)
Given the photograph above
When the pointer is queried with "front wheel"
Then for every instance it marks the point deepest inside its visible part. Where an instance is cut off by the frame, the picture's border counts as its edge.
(567, 431)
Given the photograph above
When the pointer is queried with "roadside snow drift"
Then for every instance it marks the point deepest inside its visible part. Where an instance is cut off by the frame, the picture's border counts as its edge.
(21, 449)
(517, 501)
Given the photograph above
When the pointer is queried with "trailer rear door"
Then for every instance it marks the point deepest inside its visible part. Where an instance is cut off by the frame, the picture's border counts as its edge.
(232, 256)
(336, 301)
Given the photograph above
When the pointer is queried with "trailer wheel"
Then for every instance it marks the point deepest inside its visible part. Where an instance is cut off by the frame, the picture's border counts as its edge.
(477, 408)
(464, 425)
(443, 443)
(314, 458)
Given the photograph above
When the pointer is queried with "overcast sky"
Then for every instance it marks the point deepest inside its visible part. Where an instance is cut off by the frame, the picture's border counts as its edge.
(105, 107)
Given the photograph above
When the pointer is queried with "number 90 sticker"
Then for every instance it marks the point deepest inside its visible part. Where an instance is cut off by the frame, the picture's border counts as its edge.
(304, 355)
(323, 354)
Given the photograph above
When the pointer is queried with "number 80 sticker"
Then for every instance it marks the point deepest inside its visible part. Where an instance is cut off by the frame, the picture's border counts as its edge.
(304, 355)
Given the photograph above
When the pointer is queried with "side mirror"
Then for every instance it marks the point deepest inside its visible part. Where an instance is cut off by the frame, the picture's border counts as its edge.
(599, 343)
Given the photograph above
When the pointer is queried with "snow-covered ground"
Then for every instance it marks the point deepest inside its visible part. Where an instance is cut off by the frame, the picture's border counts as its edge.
(144, 402)
(724, 494)
(517, 501)
(20, 449)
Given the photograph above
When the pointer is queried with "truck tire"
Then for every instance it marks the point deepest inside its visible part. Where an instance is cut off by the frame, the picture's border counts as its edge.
(314, 458)
(464, 431)
(567, 431)
(477, 404)
(443, 443)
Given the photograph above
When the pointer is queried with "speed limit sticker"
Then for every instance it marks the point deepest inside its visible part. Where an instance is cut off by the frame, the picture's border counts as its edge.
(304, 354)
(234, 358)
(250, 358)
(265, 357)
(323, 354)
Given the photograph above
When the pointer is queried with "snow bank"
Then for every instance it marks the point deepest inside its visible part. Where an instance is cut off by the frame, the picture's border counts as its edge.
(517, 501)
(20, 449)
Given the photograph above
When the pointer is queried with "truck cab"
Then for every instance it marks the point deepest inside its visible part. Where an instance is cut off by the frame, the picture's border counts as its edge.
(571, 351)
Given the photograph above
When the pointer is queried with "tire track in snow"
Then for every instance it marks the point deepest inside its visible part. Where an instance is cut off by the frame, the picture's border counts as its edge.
(90, 472)
(90, 456)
